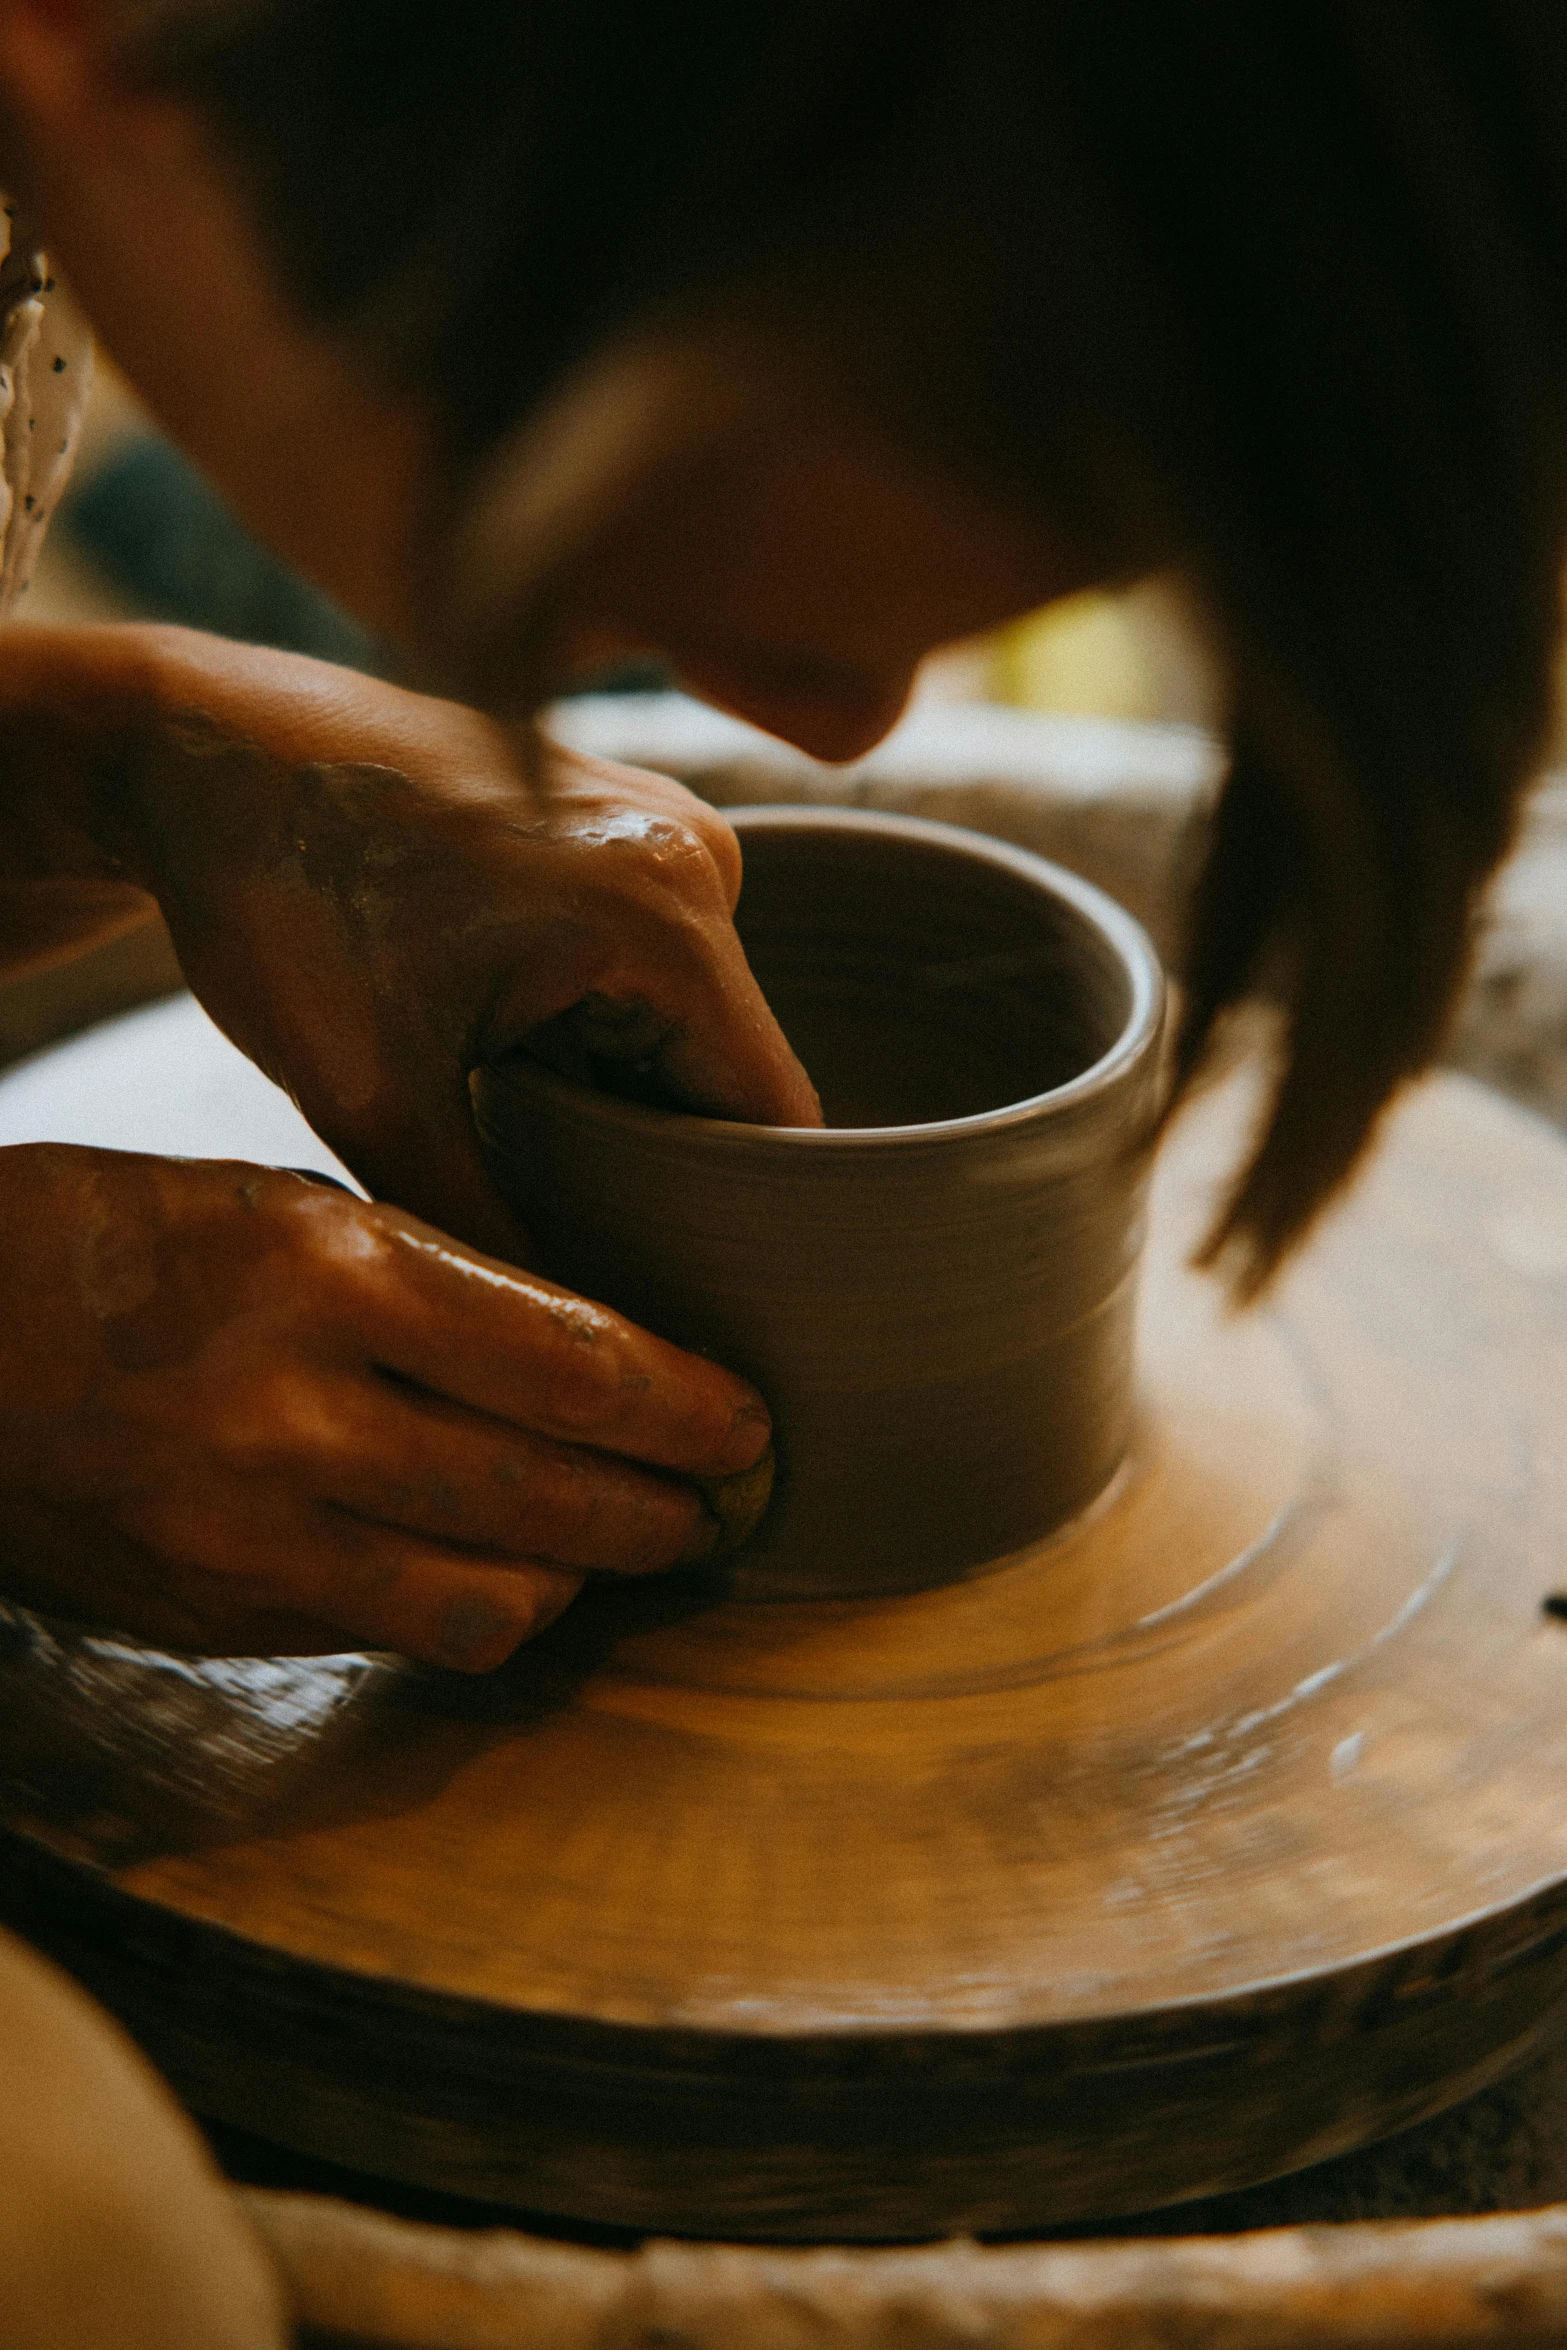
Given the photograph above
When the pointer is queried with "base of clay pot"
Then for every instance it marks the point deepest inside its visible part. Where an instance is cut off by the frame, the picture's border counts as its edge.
(1219, 1834)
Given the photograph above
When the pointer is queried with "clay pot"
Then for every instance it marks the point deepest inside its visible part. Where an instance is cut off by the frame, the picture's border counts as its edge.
(935, 1294)
(1216, 1833)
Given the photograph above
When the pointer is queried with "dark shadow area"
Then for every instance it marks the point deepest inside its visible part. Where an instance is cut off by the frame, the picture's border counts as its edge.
(1503, 2150)
(253, 2162)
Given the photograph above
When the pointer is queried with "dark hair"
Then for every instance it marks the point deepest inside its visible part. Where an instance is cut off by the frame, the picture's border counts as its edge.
(1287, 283)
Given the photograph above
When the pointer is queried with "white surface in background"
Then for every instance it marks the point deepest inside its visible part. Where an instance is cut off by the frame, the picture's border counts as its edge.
(158, 1079)
(967, 745)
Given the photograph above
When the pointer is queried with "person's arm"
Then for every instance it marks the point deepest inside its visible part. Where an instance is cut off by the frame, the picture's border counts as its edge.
(243, 1413)
(60, 894)
(370, 896)
(238, 1411)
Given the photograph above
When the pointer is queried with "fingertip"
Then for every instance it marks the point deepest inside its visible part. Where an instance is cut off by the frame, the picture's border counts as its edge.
(808, 1105)
(555, 1594)
(737, 1504)
(748, 1436)
(478, 1630)
(791, 1098)
(674, 1529)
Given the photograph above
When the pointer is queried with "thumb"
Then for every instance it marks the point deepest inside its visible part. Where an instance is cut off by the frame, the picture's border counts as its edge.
(742, 1066)
(704, 1033)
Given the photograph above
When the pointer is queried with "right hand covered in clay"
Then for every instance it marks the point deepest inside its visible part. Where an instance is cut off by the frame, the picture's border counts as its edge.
(240, 1412)
(373, 894)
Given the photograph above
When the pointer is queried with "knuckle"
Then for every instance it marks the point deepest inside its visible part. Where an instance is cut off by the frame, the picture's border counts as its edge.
(270, 1422)
(334, 1235)
(581, 1364)
(629, 1518)
(668, 1528)
(722, 844)
(369, 1566)
(595, 1510)
(340, 1256)
(681, 855)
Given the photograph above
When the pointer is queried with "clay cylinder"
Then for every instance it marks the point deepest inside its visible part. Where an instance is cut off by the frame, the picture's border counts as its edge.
(935, 1293)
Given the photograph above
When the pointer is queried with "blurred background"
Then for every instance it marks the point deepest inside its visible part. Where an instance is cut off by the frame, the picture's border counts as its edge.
(141, 536)
(1118, 759)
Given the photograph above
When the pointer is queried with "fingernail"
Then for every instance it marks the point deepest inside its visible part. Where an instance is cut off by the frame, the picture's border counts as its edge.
(476, 1635)
(735, 1506)
(750, 1433)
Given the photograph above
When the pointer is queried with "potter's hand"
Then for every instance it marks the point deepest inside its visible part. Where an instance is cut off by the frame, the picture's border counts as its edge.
(239, 1412)
(371, 899)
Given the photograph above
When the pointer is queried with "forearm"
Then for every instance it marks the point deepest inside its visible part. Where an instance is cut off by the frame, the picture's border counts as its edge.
(73, 704)
(70, 700)
(96, 726)
(43, 923)
(111, 737)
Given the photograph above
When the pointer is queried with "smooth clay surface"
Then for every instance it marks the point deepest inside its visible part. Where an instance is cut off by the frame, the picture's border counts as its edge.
(936, 1295)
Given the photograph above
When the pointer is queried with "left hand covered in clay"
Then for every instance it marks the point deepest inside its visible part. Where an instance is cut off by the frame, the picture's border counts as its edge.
(372, 898)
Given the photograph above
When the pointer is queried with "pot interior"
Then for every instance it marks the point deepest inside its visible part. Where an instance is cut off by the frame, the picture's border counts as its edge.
(918, 982)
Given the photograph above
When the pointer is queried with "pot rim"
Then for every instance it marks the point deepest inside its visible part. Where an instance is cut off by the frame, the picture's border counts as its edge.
(1124, 933)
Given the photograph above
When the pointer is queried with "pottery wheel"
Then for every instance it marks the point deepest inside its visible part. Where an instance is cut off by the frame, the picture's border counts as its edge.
(1222, 1833)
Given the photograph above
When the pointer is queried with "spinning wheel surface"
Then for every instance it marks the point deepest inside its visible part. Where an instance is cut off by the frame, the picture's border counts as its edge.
(1220, 1833)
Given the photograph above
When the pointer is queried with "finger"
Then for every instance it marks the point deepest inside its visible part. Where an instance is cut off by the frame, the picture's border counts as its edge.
(385, 1589)
(529, 1352)
(429, 1467)
(729, 1058)
(720, 1049)
(422, 1153)
(301, 1579)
